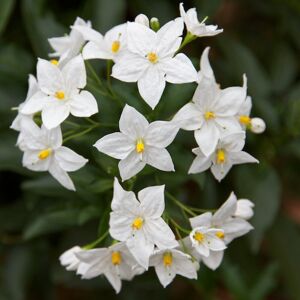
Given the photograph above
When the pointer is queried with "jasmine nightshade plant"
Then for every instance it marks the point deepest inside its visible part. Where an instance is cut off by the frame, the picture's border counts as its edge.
(143, 231)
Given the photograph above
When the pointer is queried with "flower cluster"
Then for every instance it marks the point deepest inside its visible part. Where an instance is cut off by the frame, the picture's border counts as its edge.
(142, 232)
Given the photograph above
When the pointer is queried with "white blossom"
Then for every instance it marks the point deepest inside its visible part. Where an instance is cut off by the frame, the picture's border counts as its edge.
(139, 143)
(150, 60)
(170, 262)
(139, 222)
(142, 19)
(115, 262)
(69, 46)
(228, 152)
(61, 93)
(244, 209)
(257, 125)
(69, 260)
(195, 27)
(44, 152)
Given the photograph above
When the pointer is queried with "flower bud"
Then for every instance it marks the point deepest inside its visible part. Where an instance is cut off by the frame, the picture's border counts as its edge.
(142, 19)
(258, 125)
(244, 209)
(154, 24)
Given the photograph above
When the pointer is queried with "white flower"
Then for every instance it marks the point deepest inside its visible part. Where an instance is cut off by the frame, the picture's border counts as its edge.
(139, 222)
(258, 125)
(142, 19)
(226, 228)
(149, 60)
(69, 260)
(139, 143)
(211, 114)
(44, 152)
(60, 93)
(115, 263)
(244, 209)
(228, 152)
(109, 46)
(69, 46)
(169, 262)
(205, 239)
(243, 114)
(194, 26)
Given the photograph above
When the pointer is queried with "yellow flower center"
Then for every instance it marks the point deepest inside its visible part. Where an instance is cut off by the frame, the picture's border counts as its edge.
(44, 153)
(221, 156)
(116, 258)
(140, 146)
(167, 259)
(209, 115)
(199, 236)
(245, 120)
(152, 57)
(137, 223)
(115, 46)
(54, 62)
(220, 234)
(60, 95)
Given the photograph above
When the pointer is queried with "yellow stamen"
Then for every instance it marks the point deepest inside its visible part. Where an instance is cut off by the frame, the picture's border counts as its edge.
(167, 259)
(140, 146)
(116, 258)
(209, 115)
(220, 234)
(245, 120)
(137, 223)
(152, 57)
(115, 46)
(198, 236)
(60, 95)
(221, 156)
(44, 153)
(54, 62)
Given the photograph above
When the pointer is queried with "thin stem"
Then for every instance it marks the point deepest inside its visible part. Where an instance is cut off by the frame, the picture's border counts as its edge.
(91, 69)
(96, 242)
(108, 72)
(179, 227)
(188, 38)
(181, 205)
(81, 133)
(92, 121)
(72, 123)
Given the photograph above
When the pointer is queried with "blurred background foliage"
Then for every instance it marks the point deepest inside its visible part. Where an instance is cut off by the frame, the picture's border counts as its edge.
(39, 219)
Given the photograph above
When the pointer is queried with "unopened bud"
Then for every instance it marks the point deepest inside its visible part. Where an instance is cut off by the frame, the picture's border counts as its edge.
(154, 24)
(258, 125)
(142, 19)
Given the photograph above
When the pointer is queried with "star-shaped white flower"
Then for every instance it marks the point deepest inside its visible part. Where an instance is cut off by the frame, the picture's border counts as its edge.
(44, 152)
(212, 111)
(109, 46)
(226, 227)
(60, 93)
(69, 46)
(139, 143)
(115, 262)
(150, 60)
(170, 262)
(228, 153)
(139, 222)
(194, 26)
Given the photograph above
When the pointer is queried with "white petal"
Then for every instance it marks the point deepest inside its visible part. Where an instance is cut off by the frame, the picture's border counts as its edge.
(200, 163)
(55, 113)
(120, 226)
(206, 71)
(52, 138)
(184, 265)
(74, 74)
(161, 133)
(31, 161)
(228, 125)
(220, 170)
(201, 220)
(61, 176)
(114, 280)
(207, 137)
(132, 123)
(35, 104)
(131, 165)
(189, 117)
(235, 228)
(233, 142)
(59, 44)
(160, 233)
(242, 157)
(226, 211)
(94, 50)
(244, 209)
(91, 256)
(165, 275)
(68, 160)
(49, 77)
(214, 243)
(83, 105)
(214, 259)
(151, 85)
(179, 69)
(88, 33)
(158, 158)
(152, 201)
(116, 145)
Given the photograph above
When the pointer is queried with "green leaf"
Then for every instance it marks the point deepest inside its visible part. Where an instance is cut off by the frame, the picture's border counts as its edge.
(6, 8)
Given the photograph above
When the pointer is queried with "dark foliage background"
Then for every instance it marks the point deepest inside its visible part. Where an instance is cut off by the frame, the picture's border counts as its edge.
(39, 219)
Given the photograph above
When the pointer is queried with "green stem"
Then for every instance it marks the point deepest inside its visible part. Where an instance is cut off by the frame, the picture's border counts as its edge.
(96, 242)
(188, 39)
(108, 72)
(81, 133)
(96, 77)
(181, 205)
(72, 123)
(179, 227)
